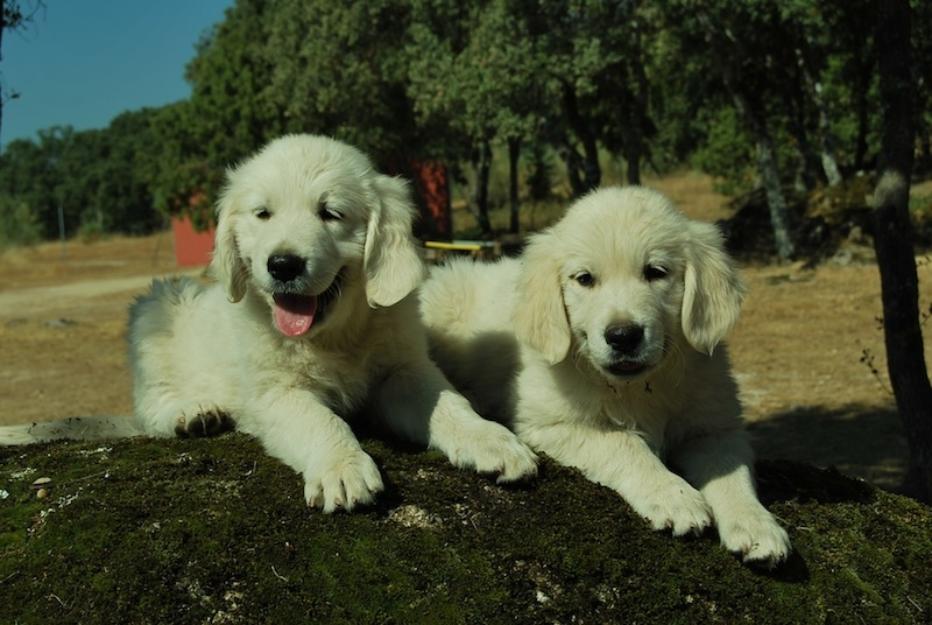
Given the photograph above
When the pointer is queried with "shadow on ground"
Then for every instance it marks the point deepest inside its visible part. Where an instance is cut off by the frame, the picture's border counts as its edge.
(863, 441)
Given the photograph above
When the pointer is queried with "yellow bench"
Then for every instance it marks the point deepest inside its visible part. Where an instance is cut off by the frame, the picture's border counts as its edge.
(438, 250)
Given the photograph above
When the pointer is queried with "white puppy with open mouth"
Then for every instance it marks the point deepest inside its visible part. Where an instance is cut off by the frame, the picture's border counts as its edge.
(311, 322)
(599, 348)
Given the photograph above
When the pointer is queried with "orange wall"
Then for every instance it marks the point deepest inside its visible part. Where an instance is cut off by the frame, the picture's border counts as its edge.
(192, 248)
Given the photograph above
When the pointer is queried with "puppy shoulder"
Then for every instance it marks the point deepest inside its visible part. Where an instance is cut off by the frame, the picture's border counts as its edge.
(711, 396)
(158, 307)
(545, 396)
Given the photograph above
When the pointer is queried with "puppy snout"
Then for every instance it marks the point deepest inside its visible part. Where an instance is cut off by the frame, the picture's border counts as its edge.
(624, 338)
(285, 267)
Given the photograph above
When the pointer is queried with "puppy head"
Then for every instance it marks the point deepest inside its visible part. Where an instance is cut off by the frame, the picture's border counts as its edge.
(624, 277)
(306, 224)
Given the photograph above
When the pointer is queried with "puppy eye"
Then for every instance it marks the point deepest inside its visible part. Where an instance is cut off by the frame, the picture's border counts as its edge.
(263, 213)
(655, 272)
(328, 214)
(584, 279)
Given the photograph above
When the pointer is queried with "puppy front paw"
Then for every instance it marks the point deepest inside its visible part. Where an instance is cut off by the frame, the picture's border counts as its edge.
(676, 506)
(204, 422)
(754, 535)
(344, 481)
(489, 447)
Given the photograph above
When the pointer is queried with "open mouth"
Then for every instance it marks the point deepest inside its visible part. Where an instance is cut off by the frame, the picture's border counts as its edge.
(626, 368)
(295, 313)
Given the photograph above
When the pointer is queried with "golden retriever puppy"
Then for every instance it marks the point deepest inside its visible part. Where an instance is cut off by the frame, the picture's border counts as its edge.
(601, 348)
(312, 320)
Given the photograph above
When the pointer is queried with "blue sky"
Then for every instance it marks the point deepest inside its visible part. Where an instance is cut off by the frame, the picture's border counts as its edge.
(85, 61)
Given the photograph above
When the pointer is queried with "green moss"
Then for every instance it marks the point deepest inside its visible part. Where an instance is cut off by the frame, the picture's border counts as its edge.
(215, 531)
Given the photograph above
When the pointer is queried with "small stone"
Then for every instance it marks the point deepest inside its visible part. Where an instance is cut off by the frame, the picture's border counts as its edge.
(42, 493)
(61, 322)
(42, 482)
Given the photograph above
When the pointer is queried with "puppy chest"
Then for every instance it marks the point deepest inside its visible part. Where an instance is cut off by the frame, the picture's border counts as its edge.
(342, 383)
(638, 414)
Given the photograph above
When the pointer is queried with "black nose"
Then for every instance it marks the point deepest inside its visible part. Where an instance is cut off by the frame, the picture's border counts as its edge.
(285, 267)
(624, 338)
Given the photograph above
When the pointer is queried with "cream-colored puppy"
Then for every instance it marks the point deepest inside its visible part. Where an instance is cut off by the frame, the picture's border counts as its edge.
(599, 348)
(312, 321)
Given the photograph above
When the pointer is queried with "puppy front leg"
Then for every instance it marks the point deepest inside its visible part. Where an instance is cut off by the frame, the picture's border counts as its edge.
(719, 465)
(623, 461)
(418, 403)
(297, 428)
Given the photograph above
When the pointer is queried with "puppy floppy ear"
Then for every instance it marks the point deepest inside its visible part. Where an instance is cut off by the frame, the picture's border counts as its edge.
(540, 317)
(392, 261)
(226, 263)
(713, 290)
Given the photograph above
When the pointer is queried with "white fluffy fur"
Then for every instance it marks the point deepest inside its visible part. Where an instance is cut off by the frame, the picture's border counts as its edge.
(524, 340)
(199, 351)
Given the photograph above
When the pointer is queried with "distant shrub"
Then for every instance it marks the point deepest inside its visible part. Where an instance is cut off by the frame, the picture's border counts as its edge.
(19, 225)
(727, 152)
(540, 171)
(91, 230)
(921, 207)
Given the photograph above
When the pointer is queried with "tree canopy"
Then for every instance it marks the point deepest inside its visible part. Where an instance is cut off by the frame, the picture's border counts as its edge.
(777, 95)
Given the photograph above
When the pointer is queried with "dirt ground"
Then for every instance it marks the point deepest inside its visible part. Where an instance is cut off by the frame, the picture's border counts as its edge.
(797, 351)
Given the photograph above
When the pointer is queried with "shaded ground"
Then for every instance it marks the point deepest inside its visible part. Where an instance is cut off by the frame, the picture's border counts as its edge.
(214, 531)
(797, 350)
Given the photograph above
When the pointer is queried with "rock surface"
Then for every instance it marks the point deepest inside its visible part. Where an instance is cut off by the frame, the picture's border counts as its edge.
(214, 531)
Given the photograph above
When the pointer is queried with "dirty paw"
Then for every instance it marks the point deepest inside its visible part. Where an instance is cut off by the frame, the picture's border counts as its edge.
(204, 423)
(489, 447)
(756, 536)
(675, 506)
(345, 481)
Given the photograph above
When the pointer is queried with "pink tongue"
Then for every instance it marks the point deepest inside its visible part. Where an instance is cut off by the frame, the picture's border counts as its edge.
(294, 314)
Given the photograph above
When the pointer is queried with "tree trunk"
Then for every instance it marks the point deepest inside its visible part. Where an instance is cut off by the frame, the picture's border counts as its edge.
(480, 198)
(922, 131)
(769, 173)
(633, 157)
(861, 107)
(592, 171)
(826, 148)
(573, 166)
(810, 170)
(514, 153)
(591, 167)
(767, 165)
(893, 242)
(637, 114)
(860, 146)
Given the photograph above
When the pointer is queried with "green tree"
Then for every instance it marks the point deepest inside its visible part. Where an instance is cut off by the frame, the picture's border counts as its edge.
(339, 69)
(592, 53)
(18, 223)
(230, 113)
(738, 41)
(482, 79)
(446, 91)
(29, 174)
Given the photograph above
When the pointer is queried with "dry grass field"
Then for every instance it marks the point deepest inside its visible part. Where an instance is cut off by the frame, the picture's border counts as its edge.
(797, 350)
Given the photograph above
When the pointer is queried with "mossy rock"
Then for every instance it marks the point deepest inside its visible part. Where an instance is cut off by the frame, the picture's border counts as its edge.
(214, 531)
